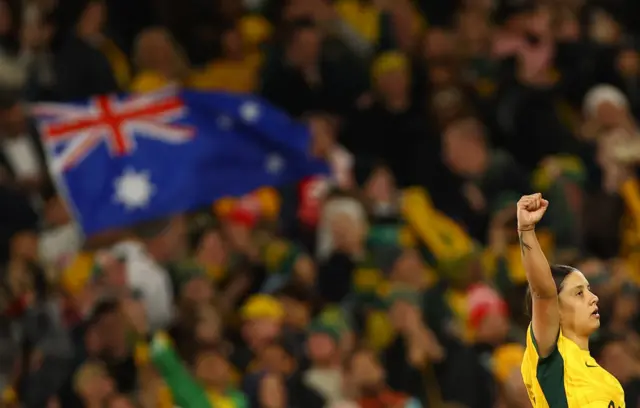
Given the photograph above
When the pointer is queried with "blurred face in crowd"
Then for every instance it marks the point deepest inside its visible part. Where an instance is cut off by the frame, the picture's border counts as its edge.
(156, 51)
(566, 26)
(304, 271)
(111, 330)
(13, 121)
(628, 63)
(209, 326)
(92, 19)
(347, 231)
(120, 401)
(198, 290)
(238, 235)
(610, 115)
(174, 239)
(365, 372)
(446, 104)
(393, 85)
(232, 45)
(259, 332)
(212, 369)
(603, 29)
(272, 392)
(443, 73)
(114, 274)
(438, 43)
(493, 329)
(321, 348)
(474, 32)
(95, 385)
(380, 189)
(408, 269)
(24, 246)
(578, 305)
(297, 314)
(275, 359)
(304, 47)
(464, 148)
(211, 249)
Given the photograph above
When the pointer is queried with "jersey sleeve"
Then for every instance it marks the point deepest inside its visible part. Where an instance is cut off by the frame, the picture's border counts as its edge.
(532, 344)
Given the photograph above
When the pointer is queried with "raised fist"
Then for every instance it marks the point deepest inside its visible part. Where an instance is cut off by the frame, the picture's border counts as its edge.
(530, 209)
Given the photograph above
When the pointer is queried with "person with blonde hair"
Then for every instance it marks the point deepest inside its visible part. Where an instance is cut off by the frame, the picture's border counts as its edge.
(159, 61)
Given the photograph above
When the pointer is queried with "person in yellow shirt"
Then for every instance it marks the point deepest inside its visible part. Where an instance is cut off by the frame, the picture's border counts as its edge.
(557, 368)
(377, 22)
(237, 68)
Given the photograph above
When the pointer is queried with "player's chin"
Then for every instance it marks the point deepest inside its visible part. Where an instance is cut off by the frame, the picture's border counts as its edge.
(594, 322)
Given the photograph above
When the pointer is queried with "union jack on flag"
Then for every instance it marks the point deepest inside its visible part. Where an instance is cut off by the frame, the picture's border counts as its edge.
(72, 131)
(120, 160)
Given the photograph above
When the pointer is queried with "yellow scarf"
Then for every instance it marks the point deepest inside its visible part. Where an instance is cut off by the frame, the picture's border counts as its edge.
(444, 238)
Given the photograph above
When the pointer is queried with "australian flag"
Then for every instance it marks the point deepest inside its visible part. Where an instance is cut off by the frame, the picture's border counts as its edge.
(119, 160)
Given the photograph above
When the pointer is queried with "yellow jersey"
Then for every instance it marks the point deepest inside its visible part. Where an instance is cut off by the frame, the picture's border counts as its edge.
(568, 378)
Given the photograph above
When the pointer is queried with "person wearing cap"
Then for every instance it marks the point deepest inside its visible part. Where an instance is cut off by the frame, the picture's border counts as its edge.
(605, 107)
(261, 317)
(324, 351)
(391, 111)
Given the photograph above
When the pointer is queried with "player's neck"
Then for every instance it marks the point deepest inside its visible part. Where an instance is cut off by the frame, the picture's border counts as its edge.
(581, 341)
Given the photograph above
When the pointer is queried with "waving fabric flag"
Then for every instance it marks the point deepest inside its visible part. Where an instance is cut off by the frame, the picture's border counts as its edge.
(120, 160)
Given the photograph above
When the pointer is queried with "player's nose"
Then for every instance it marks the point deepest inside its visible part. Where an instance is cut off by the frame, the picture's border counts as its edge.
(594, 299)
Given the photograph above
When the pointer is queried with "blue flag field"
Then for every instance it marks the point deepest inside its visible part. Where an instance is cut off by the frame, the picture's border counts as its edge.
(120, 160)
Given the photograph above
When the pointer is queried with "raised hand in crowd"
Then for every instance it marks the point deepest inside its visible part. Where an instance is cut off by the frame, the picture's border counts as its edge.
(134, 311)
(421, 342)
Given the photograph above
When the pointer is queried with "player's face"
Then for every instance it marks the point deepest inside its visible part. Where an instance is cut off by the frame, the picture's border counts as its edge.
(578, 305)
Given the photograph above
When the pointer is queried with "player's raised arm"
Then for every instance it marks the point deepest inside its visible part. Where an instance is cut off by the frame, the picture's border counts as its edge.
(545, 319)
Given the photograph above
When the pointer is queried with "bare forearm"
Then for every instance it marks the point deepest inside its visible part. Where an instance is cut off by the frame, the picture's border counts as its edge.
(536, 265)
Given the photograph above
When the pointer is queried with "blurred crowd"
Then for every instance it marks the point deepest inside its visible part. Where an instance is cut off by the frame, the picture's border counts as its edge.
(395, 281)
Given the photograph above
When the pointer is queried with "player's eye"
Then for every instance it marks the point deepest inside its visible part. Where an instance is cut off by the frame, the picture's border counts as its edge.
(580, 293)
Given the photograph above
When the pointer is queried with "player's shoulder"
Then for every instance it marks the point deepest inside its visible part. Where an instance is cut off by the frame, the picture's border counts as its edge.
(531, 352)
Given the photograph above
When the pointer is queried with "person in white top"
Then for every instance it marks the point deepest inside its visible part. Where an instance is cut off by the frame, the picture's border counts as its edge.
(156, 243)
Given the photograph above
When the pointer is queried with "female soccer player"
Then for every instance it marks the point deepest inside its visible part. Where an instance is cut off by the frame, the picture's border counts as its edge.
(557, 368)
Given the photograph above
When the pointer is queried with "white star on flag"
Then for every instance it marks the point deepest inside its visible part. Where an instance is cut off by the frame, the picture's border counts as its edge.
(133, 189)
(274, 164)
(250, 111)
